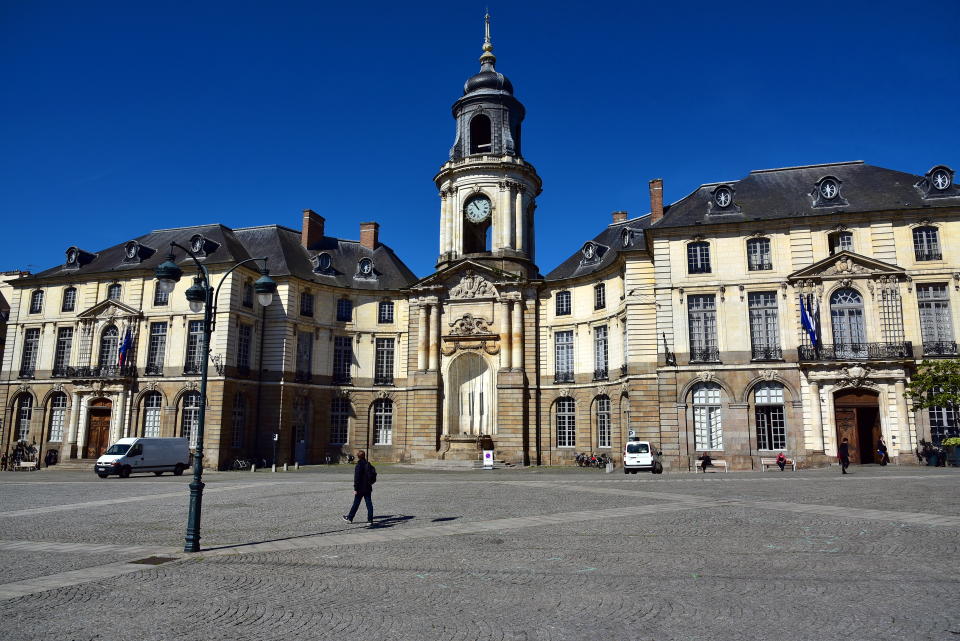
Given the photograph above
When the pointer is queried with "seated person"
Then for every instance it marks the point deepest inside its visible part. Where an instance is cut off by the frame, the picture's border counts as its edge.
(781, 460)
(706, 461)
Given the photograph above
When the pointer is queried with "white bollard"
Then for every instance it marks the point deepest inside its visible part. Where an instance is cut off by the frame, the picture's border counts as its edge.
(296, 465)
(609, 468)
(273, 468)
(253, 467)
(284, 467)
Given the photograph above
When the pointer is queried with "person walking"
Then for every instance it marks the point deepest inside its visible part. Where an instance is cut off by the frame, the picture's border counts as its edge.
(843, 454)
(364, 476)
(882, 451)
(781, 460)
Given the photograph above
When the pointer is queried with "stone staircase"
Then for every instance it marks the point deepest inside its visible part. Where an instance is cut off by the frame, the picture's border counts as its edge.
(444, 464)
(73, 465)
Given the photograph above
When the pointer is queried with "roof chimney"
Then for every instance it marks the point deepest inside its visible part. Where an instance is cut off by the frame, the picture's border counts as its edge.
(656, 200)
(619, 216)
(370, 235)
(312, 232)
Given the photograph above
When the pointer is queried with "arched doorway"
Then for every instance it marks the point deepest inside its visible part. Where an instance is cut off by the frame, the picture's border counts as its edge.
(857, 416)
(471, 396)
(98, 427)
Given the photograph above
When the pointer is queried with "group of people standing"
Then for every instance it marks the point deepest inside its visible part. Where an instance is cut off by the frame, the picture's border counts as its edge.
(843, 454)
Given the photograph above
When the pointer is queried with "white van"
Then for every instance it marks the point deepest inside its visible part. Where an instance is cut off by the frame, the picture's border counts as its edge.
(157, 455)
(641, 456)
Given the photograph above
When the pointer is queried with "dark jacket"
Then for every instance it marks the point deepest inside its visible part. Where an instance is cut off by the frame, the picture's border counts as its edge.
(361, 484)
(843, 451)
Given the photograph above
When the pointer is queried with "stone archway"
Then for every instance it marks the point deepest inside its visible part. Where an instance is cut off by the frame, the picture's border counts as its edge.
(470, 396)
(856, 413)
(99, 413)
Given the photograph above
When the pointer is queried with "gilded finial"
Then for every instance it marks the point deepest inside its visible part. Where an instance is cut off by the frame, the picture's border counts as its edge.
(487, 60)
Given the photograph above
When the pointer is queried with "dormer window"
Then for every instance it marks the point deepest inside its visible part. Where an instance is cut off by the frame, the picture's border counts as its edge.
(73, 257)
(826, 193)
(723, 196)
(322, 263)
(938, 183)
(829, 189)
(365, 268)
(591, 253)
(941, 179)
(840, 241)
(77, 258)
(202, 246)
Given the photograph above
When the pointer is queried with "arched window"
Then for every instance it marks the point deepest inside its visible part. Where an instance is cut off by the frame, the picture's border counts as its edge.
(109, 342)
(190, 417)
(698, 258)
(152, 404)
(24, 414)
(239, 419)
(566, 422)
(58, 415)
(339, 421)
(846, 318)
(758, 254)
(602, 405)
(69, 300)
(36, 301)
(840, 241)
(771, 425)
(480, 135)
(382, 421)
(113, 292)
(707, 426)
(926, 243)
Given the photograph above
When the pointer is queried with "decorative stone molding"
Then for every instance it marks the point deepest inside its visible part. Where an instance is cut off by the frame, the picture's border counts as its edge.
(218, 363)
(384, 394)
(23, 389)
(706, 376)
(58, 387)
(473, 286)
(844, 265)
(343, 393)
(191, 385)
(856, 376)
(624, 389)
(152, 386)
(768, 374)
(470, 325)
(601, 390)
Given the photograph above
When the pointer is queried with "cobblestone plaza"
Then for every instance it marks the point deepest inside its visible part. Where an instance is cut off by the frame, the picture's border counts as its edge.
(506, 554)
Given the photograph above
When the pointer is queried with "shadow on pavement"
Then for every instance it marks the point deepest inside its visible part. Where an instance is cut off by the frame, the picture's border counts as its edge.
(378, 522)
(388, 521)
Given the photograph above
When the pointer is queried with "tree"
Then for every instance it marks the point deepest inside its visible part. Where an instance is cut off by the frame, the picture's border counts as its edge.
(937, 384)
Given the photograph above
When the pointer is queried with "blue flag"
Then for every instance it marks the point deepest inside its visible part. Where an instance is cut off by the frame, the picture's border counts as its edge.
(124, 348)
(808, 323)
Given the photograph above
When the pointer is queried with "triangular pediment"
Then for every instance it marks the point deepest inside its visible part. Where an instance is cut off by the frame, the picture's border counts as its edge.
(450, 276)
(108, 309)
(846, 264)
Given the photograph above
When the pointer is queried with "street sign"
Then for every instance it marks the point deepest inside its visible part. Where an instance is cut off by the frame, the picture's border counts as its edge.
(488, 459)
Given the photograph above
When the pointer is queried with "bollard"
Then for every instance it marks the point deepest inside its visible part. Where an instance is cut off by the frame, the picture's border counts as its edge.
(253, 467)
(609, 468)
(296, 466)
(284, 467)
(273, 468)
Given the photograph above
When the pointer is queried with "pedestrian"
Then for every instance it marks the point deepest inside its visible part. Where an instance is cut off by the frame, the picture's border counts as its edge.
(364, 476)
(3, 462)
(781, 460)
(843, 454)
(705, 462)
(882, 451)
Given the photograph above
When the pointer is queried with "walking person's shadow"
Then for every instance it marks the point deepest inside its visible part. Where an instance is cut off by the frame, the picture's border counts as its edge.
(388, 520)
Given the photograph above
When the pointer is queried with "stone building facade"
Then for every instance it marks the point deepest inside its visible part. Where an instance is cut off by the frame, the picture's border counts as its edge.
(682, 326)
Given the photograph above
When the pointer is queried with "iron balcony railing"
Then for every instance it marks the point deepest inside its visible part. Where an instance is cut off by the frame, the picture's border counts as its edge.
(153, 370)
(928, 254)
(27, 372)
(760, 266)
(100, 371)
(940, 348)
(698, 269)
(766, 353)
(856, 351)
(342, 379)
(623, 370)
(563, 377)
(243, 370)
(704, 354)
(383, 379)
(302, 377)
(191, 369)
(600, 374)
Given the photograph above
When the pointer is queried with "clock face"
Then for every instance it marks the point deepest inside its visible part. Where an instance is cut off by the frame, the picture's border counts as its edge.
(941, 179)
(478, 210)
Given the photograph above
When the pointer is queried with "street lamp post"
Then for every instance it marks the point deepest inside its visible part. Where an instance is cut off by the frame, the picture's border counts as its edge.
(201, 295)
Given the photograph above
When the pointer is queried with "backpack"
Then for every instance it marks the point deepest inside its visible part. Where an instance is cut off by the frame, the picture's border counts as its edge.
(371, 474)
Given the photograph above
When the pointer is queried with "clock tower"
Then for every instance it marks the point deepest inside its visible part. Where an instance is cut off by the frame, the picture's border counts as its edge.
(487, 190)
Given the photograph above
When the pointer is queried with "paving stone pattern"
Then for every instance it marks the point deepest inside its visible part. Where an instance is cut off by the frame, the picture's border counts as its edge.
(533, 554)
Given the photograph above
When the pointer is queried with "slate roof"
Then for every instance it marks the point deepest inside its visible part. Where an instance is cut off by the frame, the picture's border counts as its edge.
(610, 240)
(281, 245)
(769, 194)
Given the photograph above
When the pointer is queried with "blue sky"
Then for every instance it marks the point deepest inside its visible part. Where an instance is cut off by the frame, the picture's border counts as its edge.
(122, 117)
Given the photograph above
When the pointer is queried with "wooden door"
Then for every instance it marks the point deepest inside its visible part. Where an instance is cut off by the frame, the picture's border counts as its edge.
(846, 419)
(98, 434)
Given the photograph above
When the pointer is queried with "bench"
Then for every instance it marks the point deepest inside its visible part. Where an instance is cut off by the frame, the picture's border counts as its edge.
(27, 465)
(713, 463)
(771, 461)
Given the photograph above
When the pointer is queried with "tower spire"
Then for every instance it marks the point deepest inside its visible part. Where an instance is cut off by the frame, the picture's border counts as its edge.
(487, 59)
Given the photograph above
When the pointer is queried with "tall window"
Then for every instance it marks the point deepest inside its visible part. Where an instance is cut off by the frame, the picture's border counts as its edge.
(936, 326)
(156, 348)
(926, 243)
(109, 343)
(24, 414)
(698, 258)
(160, 297)
(702, 316)
(152, 406)
(566, 422)
(599, 296)
(480, 135)
(603, 421)
(383, 367)
(113, 292)
(69, 300)
(771, 426)
(758, 254)
(600, 349)
(342, 358)
(58, 415)
(339, 420)
(61, 353)
(247, 294)
(304, 355)
(190, 417)
(36, 301)
(840, 241)
(846, 319)
(563, 303)
(239, 419)
(194, 358)
(244, 338)
(382, 421)
(563, 342)
(385, 312)
(764, 327)
(707, 428)
(344, 310)
(302, 411)
(943, 423)
(306, 304)
(31, 346)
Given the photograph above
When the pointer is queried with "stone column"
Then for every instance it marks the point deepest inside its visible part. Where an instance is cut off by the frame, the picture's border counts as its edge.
(82, 431)
(422, 346)
(434, 336)
(443, 222)
(503, 218)
(505, 331)
(816, 419)
(517, 335)
(117, 414)
(905, 444)
(71, 436)
(521, 243)
(128, 415)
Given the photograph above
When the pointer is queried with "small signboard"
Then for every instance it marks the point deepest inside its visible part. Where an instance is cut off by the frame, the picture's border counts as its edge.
(276, 436)
(488, 459)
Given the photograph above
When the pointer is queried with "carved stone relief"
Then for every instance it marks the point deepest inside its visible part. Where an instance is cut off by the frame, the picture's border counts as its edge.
(473, 285)
(469, 325)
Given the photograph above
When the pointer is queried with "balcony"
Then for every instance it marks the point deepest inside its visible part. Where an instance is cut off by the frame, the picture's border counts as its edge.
(302, 377)
(760, 266)
(623, 370)
(99, 372)
(764, 353)
(563, 377)
(942, 348)
(601, 374)
(704, 354)
(342, 379)
(383, 379)
(857, 352)
(927, 254)
(153, 370)
(243, 370)
(191, 369)
(27, 372)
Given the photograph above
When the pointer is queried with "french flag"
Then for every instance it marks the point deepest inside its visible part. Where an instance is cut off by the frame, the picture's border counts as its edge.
(124, 348)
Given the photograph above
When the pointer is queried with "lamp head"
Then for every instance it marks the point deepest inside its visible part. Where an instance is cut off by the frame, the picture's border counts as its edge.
(167, 274)
(265, 287)
(197, 295)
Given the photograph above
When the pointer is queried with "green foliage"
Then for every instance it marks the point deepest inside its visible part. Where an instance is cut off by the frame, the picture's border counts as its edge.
(936, 384)
(953, 440)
